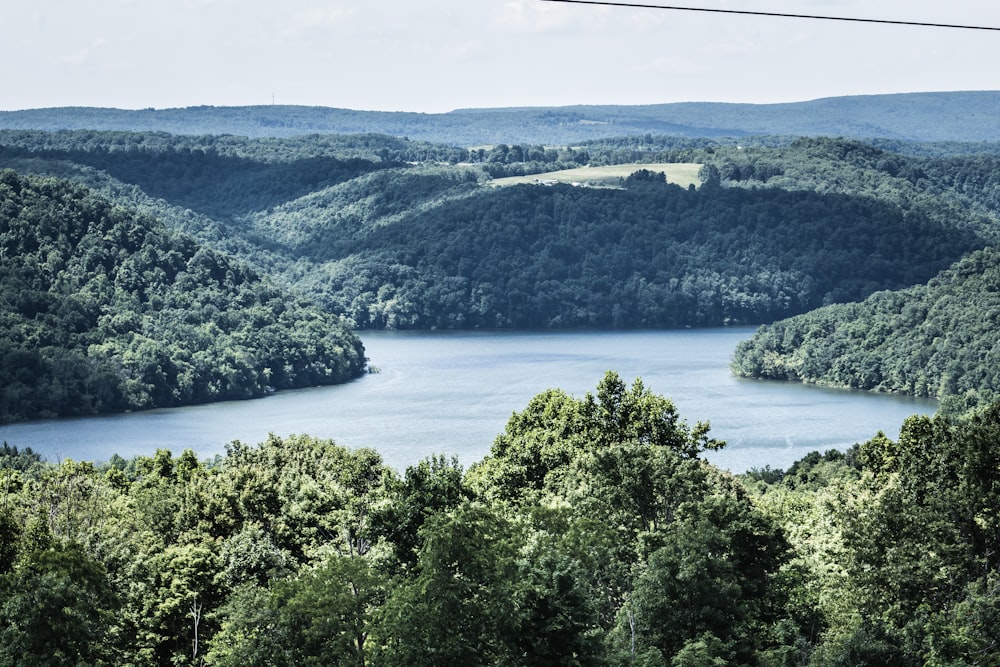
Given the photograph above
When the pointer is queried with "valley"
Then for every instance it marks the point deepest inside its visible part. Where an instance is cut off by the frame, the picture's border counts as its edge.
(734, 404)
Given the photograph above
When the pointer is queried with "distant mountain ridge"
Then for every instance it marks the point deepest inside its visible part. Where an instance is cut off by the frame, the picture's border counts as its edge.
(966, 116)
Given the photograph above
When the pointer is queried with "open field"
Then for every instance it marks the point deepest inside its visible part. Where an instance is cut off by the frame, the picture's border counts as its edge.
(681, 173)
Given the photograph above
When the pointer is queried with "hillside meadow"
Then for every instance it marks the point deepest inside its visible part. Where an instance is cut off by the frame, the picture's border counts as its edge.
(682, 174)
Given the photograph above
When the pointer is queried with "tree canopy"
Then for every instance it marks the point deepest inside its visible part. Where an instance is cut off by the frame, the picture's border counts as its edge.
(592, 534)
(102, 309)
(938, 340)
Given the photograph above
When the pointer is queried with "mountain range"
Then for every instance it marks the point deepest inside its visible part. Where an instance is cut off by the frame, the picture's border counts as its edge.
(968, 116)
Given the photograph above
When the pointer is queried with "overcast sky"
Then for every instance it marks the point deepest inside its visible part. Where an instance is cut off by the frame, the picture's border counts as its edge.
(439, 55)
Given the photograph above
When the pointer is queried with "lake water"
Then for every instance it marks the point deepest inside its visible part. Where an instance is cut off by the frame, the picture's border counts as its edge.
(452, 393)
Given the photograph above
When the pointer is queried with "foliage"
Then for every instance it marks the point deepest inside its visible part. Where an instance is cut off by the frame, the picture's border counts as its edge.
(397, 234)
(627, 470)
(938, 340)
(56, 605)
(104, 310)
(552, 257)
(297, 551)
(593, 534)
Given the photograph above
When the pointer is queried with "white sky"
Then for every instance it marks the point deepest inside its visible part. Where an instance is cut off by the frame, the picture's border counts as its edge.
(439, 55)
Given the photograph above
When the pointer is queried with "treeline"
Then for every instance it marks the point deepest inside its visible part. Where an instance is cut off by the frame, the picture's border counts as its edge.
(237, 174)
(103, 310)
(593, 534)
(898, 541)
(940, 340)
(960, 186)
(217, 176)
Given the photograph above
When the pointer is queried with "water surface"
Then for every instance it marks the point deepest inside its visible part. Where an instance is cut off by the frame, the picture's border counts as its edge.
(452, 393)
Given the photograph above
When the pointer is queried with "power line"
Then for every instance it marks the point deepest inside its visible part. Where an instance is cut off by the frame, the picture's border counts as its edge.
(772, 14)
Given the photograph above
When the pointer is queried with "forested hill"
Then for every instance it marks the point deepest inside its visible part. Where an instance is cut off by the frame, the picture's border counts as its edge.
(945, 116)
(398, 234)
(649, 255)
(940, 340)
(104, 310)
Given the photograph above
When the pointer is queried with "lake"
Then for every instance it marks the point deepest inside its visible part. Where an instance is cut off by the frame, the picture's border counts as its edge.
(452, 393)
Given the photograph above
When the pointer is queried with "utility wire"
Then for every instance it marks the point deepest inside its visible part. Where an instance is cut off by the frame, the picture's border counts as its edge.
(779, 14)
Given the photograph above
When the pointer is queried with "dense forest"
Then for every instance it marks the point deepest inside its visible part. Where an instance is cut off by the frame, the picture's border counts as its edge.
(391, 233)
(104, 310)
(946, 116)
(651, 255)
(593, 534)
(395, 234)
(940, 339)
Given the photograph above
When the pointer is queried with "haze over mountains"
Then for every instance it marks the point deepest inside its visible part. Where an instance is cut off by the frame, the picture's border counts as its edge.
(947, 116)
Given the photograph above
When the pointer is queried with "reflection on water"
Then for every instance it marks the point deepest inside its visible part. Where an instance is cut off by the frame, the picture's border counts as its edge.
(452, 392)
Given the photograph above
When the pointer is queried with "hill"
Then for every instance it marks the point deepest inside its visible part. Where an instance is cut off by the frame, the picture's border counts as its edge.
(650, 255)
(403, 234)
(940, 339)
(103, 310)
(947, 116)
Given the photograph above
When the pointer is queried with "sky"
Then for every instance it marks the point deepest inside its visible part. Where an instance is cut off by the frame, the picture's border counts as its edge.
(439, 55)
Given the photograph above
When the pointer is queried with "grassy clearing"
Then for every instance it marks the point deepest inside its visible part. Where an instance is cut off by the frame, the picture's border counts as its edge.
(681, 173)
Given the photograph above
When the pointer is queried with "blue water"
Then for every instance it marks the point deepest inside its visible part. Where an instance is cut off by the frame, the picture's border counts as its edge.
(452, 393)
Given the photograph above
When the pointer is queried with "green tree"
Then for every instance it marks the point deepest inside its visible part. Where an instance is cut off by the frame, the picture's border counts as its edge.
(321, 616)
(434, 485)
(459, 608)
(712, 578)
(56, 609)
(924, 532)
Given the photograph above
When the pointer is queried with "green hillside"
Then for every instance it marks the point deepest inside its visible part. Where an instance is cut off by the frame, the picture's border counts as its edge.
(941, 339)
(104, 310)
(391, 233)
(404, 234)
(650, 255)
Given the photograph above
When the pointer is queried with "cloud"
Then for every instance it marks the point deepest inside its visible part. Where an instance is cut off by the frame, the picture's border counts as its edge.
(532, 16)
(82, 56)
(464, 49)
(735, 46)
(316, 18)
(671, 65)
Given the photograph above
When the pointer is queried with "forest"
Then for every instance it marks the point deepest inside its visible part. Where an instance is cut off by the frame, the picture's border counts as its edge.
(104, 310)
(940, 339)
(393, 234)
(382, 232)
(592, 534)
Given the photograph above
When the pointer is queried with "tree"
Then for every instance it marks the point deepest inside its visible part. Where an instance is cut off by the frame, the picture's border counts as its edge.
(56, 608)
(924, 534)
(434, 485)
(712, 578)
(538, 445)
(558, 604)
(182, 591)
(459, 608)
(321, 616)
